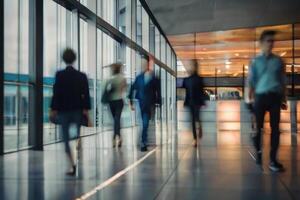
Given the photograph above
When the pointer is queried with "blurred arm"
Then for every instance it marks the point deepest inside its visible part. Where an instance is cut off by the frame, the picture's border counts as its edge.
(86, 94)
(251, 81)
(54, 101)
(158, 91)
(131, 92)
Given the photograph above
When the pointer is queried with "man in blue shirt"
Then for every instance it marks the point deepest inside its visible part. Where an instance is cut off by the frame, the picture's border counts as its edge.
(147, 91)
(267, 87)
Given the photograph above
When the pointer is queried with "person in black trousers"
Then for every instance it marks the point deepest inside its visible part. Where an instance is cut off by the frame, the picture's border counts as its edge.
(117, 86)
(194, 99)
(70, 101)
(267, 88)
(148, 93)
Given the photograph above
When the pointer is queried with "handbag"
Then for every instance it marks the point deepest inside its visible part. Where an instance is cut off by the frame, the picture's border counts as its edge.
(84, 121)
(55, 120)
(106, 96)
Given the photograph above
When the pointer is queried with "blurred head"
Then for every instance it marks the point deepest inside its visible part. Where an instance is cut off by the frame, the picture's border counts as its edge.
(267, 41)
(116, 68)
(69, 56)
(146, 65)
(193, 69)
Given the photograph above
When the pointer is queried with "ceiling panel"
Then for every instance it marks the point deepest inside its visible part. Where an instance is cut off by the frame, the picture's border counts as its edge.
(227, 52)
(190, 16)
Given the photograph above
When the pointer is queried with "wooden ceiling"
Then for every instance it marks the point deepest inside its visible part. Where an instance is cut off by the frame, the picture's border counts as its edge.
(226, 52)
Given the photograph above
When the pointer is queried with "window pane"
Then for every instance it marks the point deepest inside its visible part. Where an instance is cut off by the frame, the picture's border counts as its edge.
(145, 29)
(16, 69)
(109, 11)
(23, 116)
(138, 23)
(157, 43)
(152, 38)
(163, 49)
(10, 118)
(11, 36)
(124, 17)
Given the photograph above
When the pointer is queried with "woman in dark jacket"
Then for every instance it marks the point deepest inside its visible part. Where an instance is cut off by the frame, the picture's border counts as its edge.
(70, 101)
(194, 99)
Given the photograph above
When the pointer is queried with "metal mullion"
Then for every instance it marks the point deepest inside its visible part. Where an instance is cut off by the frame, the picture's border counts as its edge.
(102, 56)
(57, 62)
(36, 51)
(18, 72)
(78, 41)
(1, 76)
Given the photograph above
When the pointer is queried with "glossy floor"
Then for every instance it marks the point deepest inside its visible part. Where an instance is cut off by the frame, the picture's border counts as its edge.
(221, 168)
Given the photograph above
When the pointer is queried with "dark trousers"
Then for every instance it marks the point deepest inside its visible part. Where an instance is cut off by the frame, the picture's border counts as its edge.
(195, 114)
(268, 102)
(116, 108)
(146, 112)
(145, 118)
(67, 118)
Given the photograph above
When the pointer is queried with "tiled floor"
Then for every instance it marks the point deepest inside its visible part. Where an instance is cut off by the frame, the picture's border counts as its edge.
(221, 168)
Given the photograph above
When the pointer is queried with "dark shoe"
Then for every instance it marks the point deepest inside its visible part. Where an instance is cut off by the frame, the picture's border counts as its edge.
(276, 166)
(258, 158)
(120, 143)
(144, 148)
(200, 134)
(72, 172)
(195, 143)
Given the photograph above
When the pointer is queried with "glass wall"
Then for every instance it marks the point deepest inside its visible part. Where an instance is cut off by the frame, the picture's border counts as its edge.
(16, 70)
(96, 49)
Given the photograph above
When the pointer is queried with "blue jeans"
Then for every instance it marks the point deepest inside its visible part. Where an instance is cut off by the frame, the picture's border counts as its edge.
(145, 119)
(67, 118)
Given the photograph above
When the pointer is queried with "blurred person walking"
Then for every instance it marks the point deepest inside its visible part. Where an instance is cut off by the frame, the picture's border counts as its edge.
(114, 93)
(267, 88)
(70, 102)
(194, 99)
(147, 91)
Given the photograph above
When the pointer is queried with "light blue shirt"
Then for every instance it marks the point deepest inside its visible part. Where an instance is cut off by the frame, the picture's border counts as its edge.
(267, 74)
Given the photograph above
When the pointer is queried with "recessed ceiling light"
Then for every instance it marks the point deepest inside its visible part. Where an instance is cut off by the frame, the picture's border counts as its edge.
(236, 54)
(227, 62)
(283, 54)
(219, 71)
(246, 67)
(227, 66)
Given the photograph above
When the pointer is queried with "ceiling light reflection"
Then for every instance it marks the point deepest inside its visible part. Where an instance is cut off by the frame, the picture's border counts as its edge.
(283, 54)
